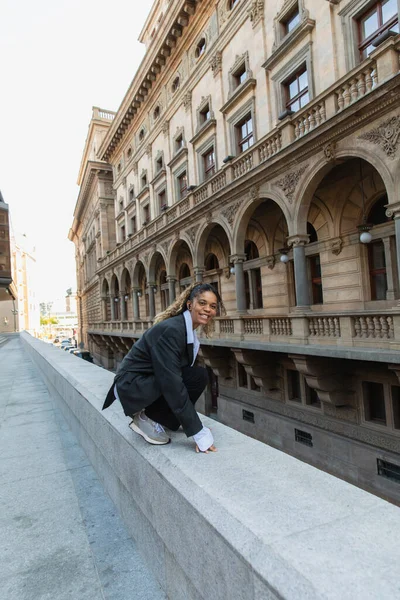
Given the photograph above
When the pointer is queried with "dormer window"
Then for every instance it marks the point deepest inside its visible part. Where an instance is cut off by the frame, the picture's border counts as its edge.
(175, 84)
(200, 48)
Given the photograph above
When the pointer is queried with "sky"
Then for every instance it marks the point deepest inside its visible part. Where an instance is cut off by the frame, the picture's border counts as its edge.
(58, 58)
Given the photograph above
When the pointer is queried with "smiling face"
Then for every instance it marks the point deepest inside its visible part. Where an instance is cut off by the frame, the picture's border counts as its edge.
(203, 308)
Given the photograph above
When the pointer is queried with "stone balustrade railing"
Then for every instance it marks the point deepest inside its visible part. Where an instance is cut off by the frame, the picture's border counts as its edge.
(364, 329)
(345, 92)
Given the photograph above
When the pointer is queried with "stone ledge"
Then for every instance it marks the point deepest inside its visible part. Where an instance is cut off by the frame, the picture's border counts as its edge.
(247, 523)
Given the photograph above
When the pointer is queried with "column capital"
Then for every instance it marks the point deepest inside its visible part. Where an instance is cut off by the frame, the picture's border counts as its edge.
(393, 210)
(238, 258)
(171, 278)
(300, 239)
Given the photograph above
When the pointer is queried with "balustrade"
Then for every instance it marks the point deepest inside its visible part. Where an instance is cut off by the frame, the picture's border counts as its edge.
(226, 326)
(324, 326)
(309, 119)
(218, 182)
(201, 195)
(253, 326)
(281, 326)
(184, 206)
(243, 165)
(373, 327)
(356, 88)
(270, 147)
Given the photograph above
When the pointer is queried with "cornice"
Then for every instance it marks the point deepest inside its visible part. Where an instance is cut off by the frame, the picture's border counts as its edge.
(210, 124)
(182, 152)
(238, 94)
(290, 40)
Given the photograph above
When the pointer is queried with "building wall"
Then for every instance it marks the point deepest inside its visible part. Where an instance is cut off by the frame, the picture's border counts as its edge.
(301, 189)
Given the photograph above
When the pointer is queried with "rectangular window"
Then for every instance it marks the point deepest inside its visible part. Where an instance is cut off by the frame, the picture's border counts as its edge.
(381, 17)
(290, 22)
(209, 164)
(179, 143)
(159, 164)
(374, 402)
(123, 233)
(312, 398)
(240, 75)
(244, 131)
(316, 279)
(242, 376)
(182, 185)
(389, 470)
(146, 214)
(377, 270)
(294, 389)
(297, 93)
(162, 200)
(205, 114)
(131, 195)
(143, 181)
(133, 225)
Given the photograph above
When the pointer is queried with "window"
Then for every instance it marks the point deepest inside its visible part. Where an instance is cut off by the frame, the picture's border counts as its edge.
(244, 132)
(182, 185)
(296, 88)
(129, 152)
(242, 376)
(133, 225)
(290, 22)
(312, 398)
(146, 214)
(131, 195)
(175, 84)
(179, 143)
(381, 17)
(316, 279)
(121, 204)
(209, 164)
(143, 180)
(123, 236)
(156, 113)
(374, 402)
(395, 389)
(232, 4)
(162, 200)
(205, 114)
(141, 134)
(377, 270)
(240, 75)
(211, 263)
(389, 470)
(159, 164)
(252, 278)
(200, 48)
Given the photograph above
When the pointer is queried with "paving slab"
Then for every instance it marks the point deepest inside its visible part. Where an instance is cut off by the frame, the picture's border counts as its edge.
(61, 537)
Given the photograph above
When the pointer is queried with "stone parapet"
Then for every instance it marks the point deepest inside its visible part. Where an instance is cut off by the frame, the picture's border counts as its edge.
(249, 522)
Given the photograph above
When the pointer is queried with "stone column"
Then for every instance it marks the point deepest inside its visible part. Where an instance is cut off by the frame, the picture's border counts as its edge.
(198, 274)
(238, 260)
(393, 210)
(303, 299)
(152, 303)
(123, 306)
(389, 267)
(112, 302)
(171, 287)
(103, 307)
(135, 303)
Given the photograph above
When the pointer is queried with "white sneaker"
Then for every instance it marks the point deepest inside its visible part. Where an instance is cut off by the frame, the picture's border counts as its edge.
(151, 431)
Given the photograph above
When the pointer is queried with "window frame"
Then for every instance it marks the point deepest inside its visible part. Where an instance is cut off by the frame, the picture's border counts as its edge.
(364, 44)
(297, 98)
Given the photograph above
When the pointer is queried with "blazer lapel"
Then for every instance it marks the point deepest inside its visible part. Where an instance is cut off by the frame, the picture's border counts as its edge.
(190, 353)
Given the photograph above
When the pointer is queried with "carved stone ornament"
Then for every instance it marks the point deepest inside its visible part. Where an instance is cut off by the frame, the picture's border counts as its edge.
(336, 245)
(256, 12)
(289, 183)
(216, 63)
(135, 168)
(254, 192)
(165, 127)
(192, 233)
(330, 151)
(187, 100)
(386, 135)
(230, 212)
(165, 246)
(148, 149)
(271, 261)
(393, 210)
(209, 217)
(146, 258)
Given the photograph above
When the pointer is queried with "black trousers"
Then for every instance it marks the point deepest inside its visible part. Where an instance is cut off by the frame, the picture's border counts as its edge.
(195, 380)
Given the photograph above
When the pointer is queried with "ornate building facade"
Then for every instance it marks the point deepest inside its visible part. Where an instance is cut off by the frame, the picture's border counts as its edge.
(257, 144)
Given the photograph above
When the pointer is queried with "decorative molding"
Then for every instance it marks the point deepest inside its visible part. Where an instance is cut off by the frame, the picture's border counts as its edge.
(336, 245)
(254, 191)
(187, 101)
(271, 261)
(330, 151)
(230, 212)
(135, 168)
(386, 135)
(289, 183)
(165, 246)
(216, 63)
(192, 233)
(165, 127)
(148, 149)
(301, 239)
(256, 12)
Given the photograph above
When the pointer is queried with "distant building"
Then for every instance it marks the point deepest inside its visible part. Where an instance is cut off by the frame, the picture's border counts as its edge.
(258, 149)
(8, 292)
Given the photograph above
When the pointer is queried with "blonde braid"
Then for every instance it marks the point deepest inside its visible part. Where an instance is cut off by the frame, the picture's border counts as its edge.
(179, 306)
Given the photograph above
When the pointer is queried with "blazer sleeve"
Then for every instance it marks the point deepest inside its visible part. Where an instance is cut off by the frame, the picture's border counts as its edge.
(166, 355)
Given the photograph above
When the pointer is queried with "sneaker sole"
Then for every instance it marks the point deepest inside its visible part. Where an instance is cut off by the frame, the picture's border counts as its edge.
(136, 429)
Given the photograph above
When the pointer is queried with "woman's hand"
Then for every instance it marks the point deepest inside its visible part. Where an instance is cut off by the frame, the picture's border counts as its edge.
(210, 449)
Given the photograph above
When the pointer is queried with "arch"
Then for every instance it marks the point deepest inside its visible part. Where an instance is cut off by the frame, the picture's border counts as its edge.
(313, 176)
(257, 236)
(321, 219)
(249, 207)
(154, 266)
(137, 273)
(211, 262)
(180, 252)
(203, 235)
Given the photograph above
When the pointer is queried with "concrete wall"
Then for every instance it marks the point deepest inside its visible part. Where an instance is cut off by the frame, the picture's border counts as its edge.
(246, 523)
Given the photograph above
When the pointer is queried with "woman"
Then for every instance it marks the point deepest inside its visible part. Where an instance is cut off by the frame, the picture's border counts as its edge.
(157, 383)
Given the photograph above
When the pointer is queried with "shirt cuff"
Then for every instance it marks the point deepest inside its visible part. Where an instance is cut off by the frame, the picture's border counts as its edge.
(204, 439)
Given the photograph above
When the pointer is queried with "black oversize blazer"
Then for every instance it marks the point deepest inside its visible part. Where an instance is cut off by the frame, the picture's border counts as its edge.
(153, 368)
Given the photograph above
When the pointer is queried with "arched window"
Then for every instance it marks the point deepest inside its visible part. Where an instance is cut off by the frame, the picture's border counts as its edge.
(377, 214)
(156, 113)
(184, 276)
(141, 134)
(376, 252)
(312, 233)
(211, 263)
(314, 266)
(200, 48)
(232, 4)
(175, 84)
(250, 250)
(163, 285)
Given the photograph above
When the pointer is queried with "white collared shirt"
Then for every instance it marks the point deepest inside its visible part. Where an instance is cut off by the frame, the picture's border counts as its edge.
(191, 335)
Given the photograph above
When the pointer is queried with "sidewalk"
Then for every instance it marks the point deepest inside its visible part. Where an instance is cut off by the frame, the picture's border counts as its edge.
(60, 536)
